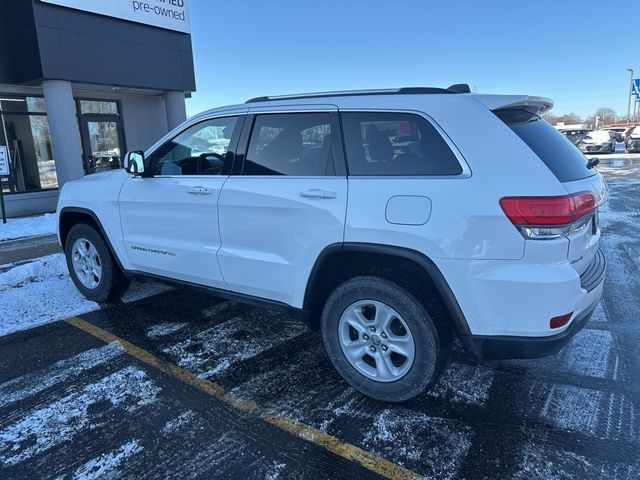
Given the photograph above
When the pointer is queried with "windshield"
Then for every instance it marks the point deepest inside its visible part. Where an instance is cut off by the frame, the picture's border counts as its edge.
(560, 155)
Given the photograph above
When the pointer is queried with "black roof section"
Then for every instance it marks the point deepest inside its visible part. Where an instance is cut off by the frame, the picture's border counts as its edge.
(457, 88)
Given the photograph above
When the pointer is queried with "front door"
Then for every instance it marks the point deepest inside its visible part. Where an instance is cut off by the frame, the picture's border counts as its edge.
(169, 217)
(286, 206)
(102, 142)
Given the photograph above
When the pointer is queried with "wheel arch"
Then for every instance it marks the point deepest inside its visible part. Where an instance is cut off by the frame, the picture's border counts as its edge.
(71, 216)
(340, 261)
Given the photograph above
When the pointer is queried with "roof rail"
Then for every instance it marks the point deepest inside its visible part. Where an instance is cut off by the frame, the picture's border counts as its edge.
(457, 88)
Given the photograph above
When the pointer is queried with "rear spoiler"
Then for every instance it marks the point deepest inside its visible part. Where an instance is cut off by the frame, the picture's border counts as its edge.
(536, 105)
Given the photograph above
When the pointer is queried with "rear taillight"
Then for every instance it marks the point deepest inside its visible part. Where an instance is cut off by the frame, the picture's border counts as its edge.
(549, 217)
(562, 320)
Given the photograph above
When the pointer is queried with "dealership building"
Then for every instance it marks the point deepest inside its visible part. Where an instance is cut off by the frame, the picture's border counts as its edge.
(82, 81)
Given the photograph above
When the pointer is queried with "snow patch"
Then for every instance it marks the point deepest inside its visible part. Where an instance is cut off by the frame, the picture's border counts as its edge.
(41, 269)
(23, 387)
(544, 460)
(42, 292)
(108, 463)
(28, 227)
(180, 421)
(411, 438)
(274, 471)
(591, 353)
(50, 425)
(572, 408)
(211, 351)
(600, 315)
(163, 329)
(465, 383)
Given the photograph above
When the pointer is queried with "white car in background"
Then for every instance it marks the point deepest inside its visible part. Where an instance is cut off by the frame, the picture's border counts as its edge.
(633, 140)
(598, 141)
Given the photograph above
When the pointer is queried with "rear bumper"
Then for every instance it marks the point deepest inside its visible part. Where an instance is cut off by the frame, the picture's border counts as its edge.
(529, 335)
(504, 347)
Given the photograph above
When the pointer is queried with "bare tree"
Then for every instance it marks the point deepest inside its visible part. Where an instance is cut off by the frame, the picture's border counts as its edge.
(607, 115)
(569, 119)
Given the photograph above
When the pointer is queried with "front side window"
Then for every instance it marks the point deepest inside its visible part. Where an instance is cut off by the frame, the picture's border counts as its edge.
(381, 143)
(296, 144)
(201, 149)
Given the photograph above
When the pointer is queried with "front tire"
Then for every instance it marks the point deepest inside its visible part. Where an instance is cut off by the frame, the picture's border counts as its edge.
(93, 269)
(382, 339)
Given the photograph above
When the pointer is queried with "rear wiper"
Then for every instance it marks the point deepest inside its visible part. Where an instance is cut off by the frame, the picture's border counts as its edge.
(593, 162)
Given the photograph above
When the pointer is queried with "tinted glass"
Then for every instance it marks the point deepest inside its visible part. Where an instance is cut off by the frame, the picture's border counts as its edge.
(290, 144)
(560, 155)
(27, 142)
(23, 104)
(104, 145)
(396, 144)
(201, 149)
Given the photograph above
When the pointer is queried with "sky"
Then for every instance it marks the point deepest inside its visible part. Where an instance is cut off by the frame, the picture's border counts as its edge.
(575, 52)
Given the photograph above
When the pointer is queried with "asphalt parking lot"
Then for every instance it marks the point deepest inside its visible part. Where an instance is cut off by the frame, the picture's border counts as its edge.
(182, 385)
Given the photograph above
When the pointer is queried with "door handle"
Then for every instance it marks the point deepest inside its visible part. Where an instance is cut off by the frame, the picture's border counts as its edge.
(317, 193)
(199, 191)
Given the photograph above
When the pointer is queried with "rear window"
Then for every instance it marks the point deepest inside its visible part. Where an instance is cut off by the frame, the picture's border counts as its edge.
(296, 144)
(382, 143)
(560, 155)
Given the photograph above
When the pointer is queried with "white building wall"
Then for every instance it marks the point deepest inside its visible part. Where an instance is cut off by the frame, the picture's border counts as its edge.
(144, 120)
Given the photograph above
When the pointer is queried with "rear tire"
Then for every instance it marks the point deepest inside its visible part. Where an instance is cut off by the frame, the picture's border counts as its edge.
(391, 361)
(92, 267)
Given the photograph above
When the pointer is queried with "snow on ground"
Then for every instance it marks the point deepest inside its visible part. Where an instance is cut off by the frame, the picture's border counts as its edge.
(210, 352)
(41, 291)
(164, 329)
(33, 383)
(28, 227)
(108, 463)
(52, 424)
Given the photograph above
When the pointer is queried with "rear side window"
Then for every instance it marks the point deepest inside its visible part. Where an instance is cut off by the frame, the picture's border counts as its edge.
(296, 144)
(381, 143)
(556, 151)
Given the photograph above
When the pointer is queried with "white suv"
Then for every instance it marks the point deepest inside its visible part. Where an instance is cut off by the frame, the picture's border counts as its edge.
(395, 220)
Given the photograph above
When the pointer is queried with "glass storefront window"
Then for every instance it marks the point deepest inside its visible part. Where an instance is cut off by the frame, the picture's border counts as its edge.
(22, 104)
(24, 131)
(105, 146)
(98, 106)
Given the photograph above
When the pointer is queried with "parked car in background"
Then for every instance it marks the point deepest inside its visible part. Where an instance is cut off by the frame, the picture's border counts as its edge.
(575, 135)
(617, 133)
(598, 141)
(633, 140)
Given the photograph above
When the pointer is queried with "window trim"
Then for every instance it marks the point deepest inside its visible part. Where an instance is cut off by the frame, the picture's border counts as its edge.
(233, 144)
(338, 156)
(466, 170)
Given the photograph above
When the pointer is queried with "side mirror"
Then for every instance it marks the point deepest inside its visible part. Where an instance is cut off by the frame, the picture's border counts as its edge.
(134, 162)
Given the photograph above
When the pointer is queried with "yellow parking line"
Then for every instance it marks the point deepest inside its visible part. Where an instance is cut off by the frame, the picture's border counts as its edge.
(345, 450)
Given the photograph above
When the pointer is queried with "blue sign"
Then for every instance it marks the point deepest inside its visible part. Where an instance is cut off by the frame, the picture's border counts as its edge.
(636, 88)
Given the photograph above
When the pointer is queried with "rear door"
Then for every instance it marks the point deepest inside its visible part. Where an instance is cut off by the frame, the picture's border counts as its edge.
(170, 218)
(285, 203)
